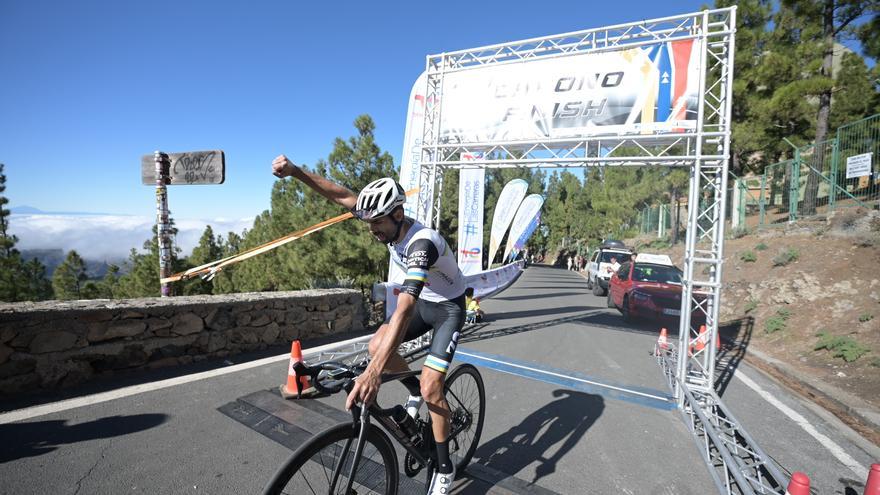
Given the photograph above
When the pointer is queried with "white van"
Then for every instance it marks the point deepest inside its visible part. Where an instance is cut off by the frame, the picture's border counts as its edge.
(599, 269)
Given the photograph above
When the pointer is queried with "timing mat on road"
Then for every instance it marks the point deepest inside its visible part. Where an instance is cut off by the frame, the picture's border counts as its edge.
(568, 379)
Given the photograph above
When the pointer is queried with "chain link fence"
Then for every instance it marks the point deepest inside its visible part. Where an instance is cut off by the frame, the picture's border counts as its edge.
(838, 173)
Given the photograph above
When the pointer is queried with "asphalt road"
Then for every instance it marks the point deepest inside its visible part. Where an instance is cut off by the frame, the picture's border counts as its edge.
(576, 404)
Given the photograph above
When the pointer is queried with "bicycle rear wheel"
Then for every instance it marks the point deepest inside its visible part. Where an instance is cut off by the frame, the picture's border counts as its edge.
(322, 466)
(467, 406)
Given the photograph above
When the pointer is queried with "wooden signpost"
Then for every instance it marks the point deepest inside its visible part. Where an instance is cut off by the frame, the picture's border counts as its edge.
(164, 169)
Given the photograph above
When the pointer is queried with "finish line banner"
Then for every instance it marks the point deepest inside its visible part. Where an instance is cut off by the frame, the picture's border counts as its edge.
(645, 90)
(485, 284)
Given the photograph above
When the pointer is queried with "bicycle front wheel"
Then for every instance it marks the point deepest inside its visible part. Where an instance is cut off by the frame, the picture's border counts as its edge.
(322, 466)
(467, 407)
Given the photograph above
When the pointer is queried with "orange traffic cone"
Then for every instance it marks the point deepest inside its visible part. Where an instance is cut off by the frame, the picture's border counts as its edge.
(799, 485)
(872, 486)
(288, 390)
(701, 339)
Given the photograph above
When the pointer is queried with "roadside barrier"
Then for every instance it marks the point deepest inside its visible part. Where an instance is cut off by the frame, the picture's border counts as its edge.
(799, 485)
(288, 390)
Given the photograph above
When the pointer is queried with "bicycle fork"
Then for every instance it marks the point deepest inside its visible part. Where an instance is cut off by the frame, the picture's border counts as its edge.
(358, 451)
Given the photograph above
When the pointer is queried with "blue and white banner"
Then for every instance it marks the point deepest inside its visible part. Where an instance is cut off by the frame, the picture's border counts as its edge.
(525, 216)
(524, 238)
(471, 189)
(410, 159)
(508, 201)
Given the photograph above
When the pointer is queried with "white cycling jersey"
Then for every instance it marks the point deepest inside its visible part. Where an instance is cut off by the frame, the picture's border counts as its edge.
(431, 269)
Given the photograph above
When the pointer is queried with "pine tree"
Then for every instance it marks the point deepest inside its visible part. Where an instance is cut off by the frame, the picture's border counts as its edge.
(209, 249)
(342, 254)
(143, 278)
(17, 282)
(69, 278)
(39, 287)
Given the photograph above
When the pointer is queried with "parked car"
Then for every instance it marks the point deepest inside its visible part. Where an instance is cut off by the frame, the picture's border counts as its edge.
(648, 287)
(599, 268)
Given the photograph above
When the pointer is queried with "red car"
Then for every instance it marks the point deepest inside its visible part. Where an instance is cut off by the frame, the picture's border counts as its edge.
(649, 287)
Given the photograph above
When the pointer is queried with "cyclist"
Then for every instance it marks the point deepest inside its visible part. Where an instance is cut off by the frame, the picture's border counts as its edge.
(432, 297)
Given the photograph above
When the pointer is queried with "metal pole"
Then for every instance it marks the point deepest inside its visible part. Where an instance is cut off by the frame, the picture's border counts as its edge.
(761, 202)
(832, 193)
(163, 225)
(684, 325)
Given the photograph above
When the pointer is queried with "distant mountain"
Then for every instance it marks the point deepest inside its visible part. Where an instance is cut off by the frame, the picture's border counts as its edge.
(53, 258)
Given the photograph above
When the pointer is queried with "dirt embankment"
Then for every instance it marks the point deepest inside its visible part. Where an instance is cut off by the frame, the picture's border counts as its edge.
(811, 292)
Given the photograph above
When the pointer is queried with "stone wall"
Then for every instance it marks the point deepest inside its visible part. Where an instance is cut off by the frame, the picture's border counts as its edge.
(54, 344)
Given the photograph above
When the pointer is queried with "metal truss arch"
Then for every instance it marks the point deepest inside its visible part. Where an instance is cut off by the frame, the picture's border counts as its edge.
(730, 454)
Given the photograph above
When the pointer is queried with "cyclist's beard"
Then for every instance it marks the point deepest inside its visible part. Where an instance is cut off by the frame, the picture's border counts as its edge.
(393, 238)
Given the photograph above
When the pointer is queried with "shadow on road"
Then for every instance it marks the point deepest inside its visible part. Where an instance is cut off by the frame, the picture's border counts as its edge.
(735, 338)
(33, 439)
(484, 331)
(530, 297)
(564, 421)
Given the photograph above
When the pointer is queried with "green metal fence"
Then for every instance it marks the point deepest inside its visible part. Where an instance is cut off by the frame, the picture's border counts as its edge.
(837, 173)
(856, 174)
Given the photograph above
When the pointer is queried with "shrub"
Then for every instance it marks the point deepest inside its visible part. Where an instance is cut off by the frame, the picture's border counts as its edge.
(774, 324)
(842, 347)
(785, 257)
(777, 323)
(748, 256)
(761, 247)
(865, 317)
(875, 362)
(751, 305)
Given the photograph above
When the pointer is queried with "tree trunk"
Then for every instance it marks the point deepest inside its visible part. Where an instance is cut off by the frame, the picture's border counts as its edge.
(822, 117)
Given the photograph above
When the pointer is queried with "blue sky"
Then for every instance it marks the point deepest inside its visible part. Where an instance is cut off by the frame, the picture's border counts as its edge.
(90, 86)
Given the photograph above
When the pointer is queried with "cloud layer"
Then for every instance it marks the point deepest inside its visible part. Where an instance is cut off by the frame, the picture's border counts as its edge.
(109, 237)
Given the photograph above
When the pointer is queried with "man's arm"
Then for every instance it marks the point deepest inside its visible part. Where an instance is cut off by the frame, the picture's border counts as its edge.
(366, 387)
(283, 167)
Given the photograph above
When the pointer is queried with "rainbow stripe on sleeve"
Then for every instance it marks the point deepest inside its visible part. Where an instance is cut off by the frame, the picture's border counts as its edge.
(417, 274)
(436, 364)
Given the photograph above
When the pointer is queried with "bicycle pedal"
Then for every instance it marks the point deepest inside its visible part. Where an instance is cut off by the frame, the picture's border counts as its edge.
(411, 467)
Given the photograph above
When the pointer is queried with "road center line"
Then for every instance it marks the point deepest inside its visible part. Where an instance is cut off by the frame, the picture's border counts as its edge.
(829, 444)
(64, 405)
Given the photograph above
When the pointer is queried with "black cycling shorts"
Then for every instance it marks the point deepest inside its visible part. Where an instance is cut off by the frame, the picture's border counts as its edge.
(447, 319)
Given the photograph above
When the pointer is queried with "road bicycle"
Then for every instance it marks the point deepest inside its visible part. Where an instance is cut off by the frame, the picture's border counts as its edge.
(358, 458)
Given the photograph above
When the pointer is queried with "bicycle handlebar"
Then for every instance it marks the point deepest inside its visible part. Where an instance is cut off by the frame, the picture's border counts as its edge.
(342, 376)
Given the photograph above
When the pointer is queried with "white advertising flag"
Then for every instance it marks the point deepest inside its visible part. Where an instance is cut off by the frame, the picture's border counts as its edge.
(644, 90)
(528, 210)
(411, 158)
(508, 201)
(471, 185)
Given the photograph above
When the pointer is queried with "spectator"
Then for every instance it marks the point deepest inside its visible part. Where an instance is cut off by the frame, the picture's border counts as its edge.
(568, 260)
(472, 304)
(614, 265)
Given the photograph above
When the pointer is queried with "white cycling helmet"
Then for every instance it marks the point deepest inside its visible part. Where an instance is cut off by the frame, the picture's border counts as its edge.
(379, 198)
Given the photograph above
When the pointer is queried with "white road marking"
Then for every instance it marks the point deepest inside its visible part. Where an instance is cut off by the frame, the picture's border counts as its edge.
(829, 444)
(64, 405)
(567, 377)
